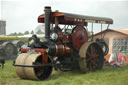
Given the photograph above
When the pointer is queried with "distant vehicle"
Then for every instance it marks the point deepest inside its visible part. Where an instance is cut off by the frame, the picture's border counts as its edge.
(10, 48)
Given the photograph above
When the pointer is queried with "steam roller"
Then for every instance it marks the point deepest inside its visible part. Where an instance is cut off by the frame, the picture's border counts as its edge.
(64, 48)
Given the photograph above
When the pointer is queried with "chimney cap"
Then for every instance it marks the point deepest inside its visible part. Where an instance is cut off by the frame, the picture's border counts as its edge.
(47, 7)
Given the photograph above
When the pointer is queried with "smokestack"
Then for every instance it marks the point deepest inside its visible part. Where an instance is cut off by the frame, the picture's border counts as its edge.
(47, 11)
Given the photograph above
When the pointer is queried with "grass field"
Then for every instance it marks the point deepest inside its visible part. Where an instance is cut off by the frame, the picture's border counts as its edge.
(106, 76)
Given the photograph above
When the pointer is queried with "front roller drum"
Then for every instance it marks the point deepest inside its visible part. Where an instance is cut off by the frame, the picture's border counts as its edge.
(32, 73)
(91, 57)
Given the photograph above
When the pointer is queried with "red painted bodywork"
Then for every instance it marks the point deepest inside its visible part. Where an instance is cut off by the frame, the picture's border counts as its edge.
(38, 50)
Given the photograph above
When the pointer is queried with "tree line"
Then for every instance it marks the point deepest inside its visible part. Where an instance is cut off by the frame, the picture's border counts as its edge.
(26, 33)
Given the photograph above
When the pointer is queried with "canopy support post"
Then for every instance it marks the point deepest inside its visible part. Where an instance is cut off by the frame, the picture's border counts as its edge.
(56, 21)
(92, 32)
(106, 29)
(101, 30)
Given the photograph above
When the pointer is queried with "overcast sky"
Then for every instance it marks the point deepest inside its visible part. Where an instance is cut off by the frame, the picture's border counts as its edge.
(21, 15)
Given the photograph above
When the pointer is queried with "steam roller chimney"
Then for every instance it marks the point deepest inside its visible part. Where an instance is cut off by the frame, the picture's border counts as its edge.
(47, 11)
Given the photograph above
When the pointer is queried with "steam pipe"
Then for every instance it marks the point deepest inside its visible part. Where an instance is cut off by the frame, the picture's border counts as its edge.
(47, 11)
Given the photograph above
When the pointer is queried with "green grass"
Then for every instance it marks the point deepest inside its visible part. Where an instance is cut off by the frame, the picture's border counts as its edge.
(106, 76)
(14, 38)
(11, 38)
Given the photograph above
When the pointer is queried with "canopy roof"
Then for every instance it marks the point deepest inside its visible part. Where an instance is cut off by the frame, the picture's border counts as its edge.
(71, 19)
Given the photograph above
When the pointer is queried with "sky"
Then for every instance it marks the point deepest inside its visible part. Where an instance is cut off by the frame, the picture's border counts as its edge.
(21, 15)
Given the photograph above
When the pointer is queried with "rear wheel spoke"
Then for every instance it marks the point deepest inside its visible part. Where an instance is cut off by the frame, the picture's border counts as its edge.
(92, 57)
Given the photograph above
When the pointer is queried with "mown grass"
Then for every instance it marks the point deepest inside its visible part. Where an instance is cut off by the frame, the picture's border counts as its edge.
(106, 76)
(11, 38)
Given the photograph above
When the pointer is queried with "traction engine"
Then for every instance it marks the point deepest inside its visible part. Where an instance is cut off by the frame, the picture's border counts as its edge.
(63, 48)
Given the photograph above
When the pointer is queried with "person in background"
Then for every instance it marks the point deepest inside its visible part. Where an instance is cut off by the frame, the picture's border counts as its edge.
(2, 58)
(121, 59)
(117, 60)
(2, 61)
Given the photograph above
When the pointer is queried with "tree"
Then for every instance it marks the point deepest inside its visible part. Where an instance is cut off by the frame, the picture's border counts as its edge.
(19, 33)
(13, 34)
(39, 32)
(32, 32)
(26, 32)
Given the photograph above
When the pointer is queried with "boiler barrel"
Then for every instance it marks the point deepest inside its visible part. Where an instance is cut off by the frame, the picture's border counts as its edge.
(59, 50)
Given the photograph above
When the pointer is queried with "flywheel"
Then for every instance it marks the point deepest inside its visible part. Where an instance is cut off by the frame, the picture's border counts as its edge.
(91, 57)
(33, 73)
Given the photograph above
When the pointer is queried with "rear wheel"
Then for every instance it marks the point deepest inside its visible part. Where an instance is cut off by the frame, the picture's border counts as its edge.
(94, 57)
(91, 57)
